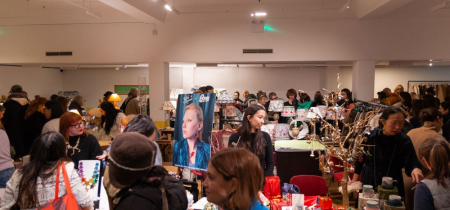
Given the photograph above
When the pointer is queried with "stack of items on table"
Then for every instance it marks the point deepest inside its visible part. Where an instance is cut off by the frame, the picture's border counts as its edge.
(387, 197)
(289, 196)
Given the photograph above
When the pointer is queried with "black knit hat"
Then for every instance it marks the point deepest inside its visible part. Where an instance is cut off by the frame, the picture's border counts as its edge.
(16, 89)
(132, 155)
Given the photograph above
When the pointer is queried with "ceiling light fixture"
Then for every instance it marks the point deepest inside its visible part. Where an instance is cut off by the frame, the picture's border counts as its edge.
(259, 14)
(346, 5)
(431, 60)
(168, 7)
(431, 64)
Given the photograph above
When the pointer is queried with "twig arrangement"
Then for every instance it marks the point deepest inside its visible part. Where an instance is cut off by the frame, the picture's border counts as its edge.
(351, 145)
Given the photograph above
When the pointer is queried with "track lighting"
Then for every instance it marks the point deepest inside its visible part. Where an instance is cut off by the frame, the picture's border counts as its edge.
(346, 5)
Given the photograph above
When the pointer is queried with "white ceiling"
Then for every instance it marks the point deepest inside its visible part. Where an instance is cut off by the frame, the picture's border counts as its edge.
(23, 12)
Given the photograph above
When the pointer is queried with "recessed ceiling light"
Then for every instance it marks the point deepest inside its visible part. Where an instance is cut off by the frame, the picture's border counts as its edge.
(168, 7)
(260, 14)
(431, 64)
(431, 59)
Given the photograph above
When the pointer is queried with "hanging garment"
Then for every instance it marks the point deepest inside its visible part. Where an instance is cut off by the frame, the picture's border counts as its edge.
(441, 92)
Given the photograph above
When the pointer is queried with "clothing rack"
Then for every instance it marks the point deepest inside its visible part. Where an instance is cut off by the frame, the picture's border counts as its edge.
(372, 104)
(433, 81)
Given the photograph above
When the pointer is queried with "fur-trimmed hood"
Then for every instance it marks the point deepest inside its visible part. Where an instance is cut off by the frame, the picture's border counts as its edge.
(19, 98)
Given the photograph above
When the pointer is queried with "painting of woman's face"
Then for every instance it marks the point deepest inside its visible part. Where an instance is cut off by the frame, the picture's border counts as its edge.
(191, 124)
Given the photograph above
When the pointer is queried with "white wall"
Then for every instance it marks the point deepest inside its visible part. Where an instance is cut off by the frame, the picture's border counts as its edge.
(34, 80)
(278, 80)
(176, 77)
(393, 76)
(93, 83)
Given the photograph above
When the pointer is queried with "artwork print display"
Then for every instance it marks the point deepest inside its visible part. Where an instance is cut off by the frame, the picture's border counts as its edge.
(193, 130)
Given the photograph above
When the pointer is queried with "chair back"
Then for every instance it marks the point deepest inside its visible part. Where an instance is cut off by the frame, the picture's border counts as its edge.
(336, 162)
(310, 185)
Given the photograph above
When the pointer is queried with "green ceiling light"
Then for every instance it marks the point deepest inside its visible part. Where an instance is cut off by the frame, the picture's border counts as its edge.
(268, 28)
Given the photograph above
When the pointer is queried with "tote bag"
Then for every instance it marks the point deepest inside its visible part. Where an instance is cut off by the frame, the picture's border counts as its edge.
(66, 202)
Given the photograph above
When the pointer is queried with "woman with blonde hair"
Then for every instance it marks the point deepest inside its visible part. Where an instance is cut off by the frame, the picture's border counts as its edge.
(433, 191)
(233, 180)
(399, 89)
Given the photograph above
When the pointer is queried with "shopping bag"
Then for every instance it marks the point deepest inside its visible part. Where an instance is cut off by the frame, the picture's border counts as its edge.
(66, 202)
(272, 187)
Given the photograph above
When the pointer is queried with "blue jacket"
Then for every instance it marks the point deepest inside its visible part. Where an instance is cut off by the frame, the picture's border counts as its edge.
(181, 154)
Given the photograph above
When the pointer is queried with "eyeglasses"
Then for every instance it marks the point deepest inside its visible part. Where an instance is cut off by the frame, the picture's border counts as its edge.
(78, 125)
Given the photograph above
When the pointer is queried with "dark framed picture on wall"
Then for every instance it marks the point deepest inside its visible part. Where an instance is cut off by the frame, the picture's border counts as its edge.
(193, 130)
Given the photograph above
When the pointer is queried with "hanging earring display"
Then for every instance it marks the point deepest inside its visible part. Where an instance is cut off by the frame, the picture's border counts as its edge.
(88, 183)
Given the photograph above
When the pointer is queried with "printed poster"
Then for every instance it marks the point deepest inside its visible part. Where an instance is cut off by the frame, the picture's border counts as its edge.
(193, 130)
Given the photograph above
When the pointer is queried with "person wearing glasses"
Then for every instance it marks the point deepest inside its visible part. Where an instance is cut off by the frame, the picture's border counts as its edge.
(81, 145)
(143, 185)
(53, 111)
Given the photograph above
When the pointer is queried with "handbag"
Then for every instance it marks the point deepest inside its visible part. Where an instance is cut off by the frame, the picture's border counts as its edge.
(66, 202)
(289, 188)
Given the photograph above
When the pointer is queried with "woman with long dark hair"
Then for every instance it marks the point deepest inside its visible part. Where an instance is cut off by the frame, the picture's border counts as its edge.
(250, 137)
(81, 145)
(318, 99)
(406, 102)
(391, 150)
(53, 111)
(111, 118)
(433, 191)
(34, 120)
(34, 184)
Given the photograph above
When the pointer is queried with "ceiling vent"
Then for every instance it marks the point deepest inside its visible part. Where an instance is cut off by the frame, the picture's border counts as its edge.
(58, 53)
(10, 65)
(257, 51)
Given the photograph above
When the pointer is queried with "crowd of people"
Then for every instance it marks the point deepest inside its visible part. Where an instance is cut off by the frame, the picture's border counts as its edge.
(55, 139)
(52, 133)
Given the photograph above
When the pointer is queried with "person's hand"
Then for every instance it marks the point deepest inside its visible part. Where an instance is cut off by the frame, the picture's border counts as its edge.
(101, 157)
(416, 175)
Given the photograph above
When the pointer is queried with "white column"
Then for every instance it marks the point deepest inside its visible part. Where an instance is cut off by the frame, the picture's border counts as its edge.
(331, 78)
(159, 90)
(363, 80)
(188, 79)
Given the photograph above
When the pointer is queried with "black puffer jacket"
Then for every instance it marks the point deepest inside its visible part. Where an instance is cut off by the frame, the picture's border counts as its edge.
(146, 195)
(14, 122)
